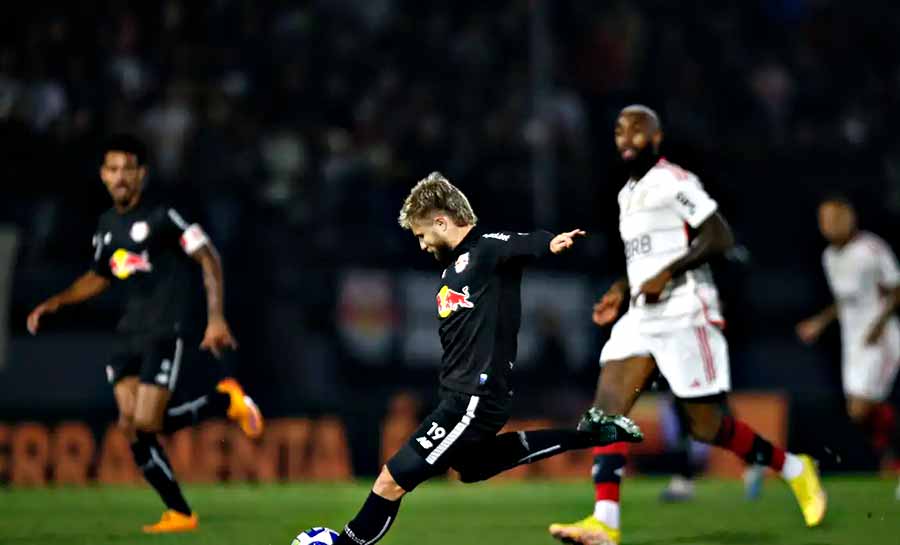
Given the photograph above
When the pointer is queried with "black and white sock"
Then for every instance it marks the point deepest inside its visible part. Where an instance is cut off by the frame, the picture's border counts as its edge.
(193, 412)
(371, 523)
(152, 461)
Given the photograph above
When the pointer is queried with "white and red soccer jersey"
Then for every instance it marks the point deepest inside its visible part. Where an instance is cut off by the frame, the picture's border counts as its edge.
(655, 214)
(860, 274)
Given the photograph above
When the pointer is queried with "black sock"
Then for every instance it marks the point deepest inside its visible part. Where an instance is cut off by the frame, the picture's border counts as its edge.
(371, 523)
(681, 456)
(512, 449)
(681, 460)
(607, 472)
(151, 459)
(191, 413)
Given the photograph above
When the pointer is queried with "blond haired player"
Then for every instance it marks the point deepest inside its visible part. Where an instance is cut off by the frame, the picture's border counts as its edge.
(864, 278)
(479, 309)
(671, 228)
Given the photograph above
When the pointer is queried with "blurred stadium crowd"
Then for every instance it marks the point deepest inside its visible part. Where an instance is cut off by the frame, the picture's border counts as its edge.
(292, 130)
(318, 115)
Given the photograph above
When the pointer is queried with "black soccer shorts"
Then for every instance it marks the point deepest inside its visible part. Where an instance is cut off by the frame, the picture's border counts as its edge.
(449, 437)
(153, 359)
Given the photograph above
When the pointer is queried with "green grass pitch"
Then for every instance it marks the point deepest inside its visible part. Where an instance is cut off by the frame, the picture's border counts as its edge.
(862, 510)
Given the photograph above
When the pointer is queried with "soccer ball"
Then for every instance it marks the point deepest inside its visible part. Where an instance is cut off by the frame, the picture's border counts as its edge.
(316, 536)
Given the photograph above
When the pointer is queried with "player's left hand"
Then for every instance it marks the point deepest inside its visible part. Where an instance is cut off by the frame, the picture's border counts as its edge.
(875, 333)
(654, 286)
(564, 241)
(217, 338)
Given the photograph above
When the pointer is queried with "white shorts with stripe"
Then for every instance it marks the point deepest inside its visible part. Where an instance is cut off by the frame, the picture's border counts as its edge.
(694, 360)
(869, 371)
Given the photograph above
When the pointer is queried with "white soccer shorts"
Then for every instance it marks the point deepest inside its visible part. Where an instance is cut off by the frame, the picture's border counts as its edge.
(693, 360)
(869, 371)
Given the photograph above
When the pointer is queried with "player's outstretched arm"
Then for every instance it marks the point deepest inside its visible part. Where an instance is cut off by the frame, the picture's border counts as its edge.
(86, 286)
(525, 247)
(563, 241)
(714, 237)
(218, 335)
(811, 328)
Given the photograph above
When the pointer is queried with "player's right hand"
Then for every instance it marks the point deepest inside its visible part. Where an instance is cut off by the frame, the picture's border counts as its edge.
(564, 241)
(218, 337)
(606, 310)
(47, 307)
(808, 330)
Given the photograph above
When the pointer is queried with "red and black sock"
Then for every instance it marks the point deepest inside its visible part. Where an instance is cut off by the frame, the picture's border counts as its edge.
(740, 439)
(609, 463)
(880, 427)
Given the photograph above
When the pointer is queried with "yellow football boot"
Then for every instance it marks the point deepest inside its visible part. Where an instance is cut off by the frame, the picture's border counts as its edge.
(588, 531)
(809, 492)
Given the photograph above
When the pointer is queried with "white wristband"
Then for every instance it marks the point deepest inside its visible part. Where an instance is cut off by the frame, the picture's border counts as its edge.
(193, 239)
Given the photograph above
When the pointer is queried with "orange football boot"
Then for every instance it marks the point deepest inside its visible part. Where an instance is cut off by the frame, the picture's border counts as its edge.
(242, 409)
(173, 522)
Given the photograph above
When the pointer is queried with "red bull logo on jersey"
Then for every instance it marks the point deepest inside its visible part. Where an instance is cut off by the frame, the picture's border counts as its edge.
(124, 263)
(449, 301)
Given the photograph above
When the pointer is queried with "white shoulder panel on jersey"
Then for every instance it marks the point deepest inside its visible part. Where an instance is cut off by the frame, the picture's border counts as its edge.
(884, 258)
(192, 237)
(857, 274)
(681, 191)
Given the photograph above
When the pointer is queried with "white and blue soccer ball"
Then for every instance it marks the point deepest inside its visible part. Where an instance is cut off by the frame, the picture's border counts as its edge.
(316, 536)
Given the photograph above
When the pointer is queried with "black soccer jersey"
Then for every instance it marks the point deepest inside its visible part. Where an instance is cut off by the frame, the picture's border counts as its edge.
(479, 305)
(147, 249)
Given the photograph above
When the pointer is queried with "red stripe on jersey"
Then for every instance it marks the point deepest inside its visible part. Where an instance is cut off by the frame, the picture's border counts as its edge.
(679, 172)
(718, 323)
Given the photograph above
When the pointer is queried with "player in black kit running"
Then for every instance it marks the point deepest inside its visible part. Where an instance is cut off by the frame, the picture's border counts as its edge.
(150, 249)
(479, 307)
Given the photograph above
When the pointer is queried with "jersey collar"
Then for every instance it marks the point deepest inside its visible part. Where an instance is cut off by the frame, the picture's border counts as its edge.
(632, 181)
(467, 242)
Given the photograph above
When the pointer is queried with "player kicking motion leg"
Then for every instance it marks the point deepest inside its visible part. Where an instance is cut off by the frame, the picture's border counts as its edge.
(479, 306)
(670, 228)
(681, 486)
(149, 248)
(864, 277)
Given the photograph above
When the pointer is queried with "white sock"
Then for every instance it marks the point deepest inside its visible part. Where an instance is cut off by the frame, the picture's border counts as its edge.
(607, 512)
(793, 467)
